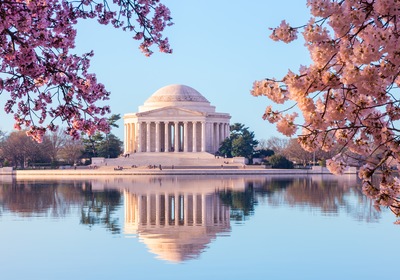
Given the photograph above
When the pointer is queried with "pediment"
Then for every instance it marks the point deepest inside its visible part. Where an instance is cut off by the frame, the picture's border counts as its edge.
(171, 111)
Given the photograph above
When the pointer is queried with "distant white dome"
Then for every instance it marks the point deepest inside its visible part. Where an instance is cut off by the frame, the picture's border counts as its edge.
(177, 96)
(176, 93)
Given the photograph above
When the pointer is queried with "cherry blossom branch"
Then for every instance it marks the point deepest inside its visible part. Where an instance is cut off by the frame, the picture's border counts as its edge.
(41, 75)
(348, 95)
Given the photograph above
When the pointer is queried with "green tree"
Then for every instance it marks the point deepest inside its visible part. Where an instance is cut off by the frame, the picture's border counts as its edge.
(226, 148)
(112, 121)
(104, 145)
(240, 143)
(91, 144)
(263, 153)
(279, 161)
(110, 147)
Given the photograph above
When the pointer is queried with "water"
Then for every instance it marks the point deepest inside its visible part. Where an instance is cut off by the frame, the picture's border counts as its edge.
(178, 227)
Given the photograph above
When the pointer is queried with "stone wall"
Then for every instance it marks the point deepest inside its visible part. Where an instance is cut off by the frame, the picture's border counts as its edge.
(6, 171)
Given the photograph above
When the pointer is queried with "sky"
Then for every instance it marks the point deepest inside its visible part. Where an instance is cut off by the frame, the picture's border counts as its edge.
(219, 48)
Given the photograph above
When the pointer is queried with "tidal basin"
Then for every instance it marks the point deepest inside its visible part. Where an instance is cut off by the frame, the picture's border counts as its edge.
(194, 227)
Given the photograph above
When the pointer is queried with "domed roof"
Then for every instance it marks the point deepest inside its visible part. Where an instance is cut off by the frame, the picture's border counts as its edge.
(180, 96)
(176, 93)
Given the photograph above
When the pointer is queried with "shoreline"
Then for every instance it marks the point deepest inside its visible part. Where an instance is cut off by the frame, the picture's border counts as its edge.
(175, 172)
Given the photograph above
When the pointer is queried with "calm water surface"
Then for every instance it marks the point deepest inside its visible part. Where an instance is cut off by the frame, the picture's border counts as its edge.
(314, 227)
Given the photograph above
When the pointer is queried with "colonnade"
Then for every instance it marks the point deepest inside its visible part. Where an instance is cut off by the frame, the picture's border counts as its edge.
(175, 209)
(174, 136)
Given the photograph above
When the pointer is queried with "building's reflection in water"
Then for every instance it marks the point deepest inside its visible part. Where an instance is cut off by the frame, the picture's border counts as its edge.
(176, 226)
(178, 219)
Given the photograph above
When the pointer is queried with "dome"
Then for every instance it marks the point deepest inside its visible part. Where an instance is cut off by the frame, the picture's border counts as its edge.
(176, 93)
(177, 96)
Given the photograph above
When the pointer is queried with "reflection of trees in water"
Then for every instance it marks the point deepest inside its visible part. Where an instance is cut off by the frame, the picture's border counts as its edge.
(363, 209)
(99, 208)
(329, 196)
(59, 198)
(241, 203)
(40, 199)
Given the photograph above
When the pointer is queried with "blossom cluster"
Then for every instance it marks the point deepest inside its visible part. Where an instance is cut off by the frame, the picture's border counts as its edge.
(284, 32)
(44, 80)
(348, 95)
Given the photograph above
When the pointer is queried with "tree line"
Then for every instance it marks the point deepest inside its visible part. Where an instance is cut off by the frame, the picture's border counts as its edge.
(57, 148)
(276, 152)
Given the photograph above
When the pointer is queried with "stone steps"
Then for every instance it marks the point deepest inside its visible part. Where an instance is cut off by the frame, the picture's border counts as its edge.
(183, 160)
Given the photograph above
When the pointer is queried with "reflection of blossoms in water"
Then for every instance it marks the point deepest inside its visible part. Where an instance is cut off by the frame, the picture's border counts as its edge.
(387, 194)
(330, 196)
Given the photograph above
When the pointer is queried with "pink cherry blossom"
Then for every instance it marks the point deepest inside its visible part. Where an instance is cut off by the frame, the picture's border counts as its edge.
(348, 95)
(336, 166)
(284, 33)
(44, 80)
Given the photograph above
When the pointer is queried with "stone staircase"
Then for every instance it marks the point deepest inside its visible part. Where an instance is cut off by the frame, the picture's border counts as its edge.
(169, 160)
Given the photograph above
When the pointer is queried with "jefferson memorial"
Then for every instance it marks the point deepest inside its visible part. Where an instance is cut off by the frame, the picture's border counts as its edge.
(175, 118)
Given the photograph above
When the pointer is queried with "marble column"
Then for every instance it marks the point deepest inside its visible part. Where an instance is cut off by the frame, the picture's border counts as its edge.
(148, 136)
(212, 138)
(203, 136)
(176, 138)
(166, 138)
(131, 138)
(140, 140)
(126, 138)
(135, 139)
(222, 133)
(194, 137)
(185, 137)
(158, 142)
(217, 136)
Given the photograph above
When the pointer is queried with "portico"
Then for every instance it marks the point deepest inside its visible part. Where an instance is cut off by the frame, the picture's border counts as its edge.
(175, 118)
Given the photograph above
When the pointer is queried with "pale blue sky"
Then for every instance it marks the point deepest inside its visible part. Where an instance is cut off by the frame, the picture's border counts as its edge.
(220, 48)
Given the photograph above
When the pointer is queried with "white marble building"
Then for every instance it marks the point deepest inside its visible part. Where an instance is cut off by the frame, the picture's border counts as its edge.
(176, 118)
